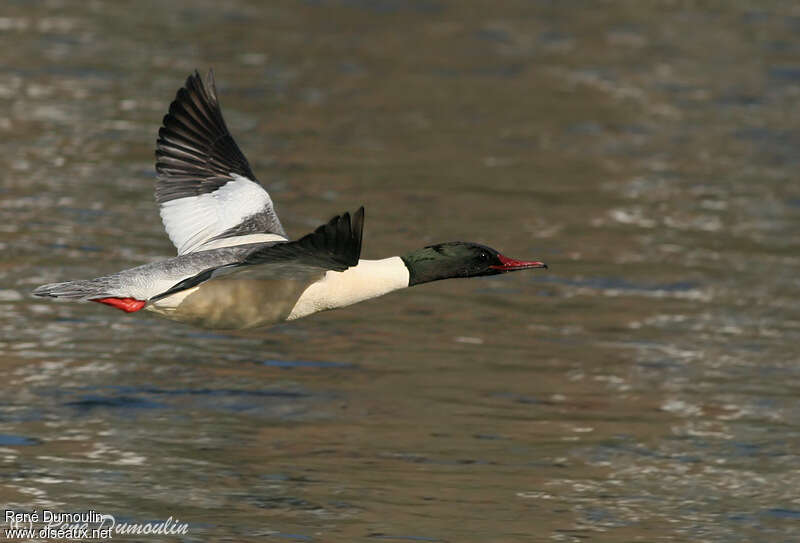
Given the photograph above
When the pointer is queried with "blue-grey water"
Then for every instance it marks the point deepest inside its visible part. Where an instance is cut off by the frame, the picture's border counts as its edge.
(644, 389)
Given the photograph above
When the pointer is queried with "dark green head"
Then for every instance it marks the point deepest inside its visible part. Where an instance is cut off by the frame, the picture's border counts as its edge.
(459, 259)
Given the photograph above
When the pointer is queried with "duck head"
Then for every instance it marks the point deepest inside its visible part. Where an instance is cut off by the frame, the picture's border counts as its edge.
(460, 259)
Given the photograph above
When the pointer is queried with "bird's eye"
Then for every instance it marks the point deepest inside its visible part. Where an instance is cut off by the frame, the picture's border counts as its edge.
(484, 256)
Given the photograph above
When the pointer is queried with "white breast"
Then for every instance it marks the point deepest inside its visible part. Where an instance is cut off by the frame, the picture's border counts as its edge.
(370, 278)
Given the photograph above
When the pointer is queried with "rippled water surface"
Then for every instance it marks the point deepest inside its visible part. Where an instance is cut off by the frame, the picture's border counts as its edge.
(644, 389)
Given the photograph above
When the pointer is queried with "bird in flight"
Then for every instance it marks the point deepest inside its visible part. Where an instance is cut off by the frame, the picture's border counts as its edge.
(236, 267)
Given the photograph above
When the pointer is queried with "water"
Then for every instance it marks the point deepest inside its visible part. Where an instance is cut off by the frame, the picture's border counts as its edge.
(644, 389)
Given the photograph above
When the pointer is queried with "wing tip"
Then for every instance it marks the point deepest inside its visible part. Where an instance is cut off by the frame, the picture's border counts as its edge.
(334, 245)
(210, 83)
(351, 231)
(341, 237)
(205, 86)
(196, 92)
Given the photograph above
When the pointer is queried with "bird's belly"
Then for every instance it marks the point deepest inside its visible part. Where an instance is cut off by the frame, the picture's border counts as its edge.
(232, 303)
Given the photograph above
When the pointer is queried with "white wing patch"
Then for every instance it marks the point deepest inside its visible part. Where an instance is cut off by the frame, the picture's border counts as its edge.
(192, 221)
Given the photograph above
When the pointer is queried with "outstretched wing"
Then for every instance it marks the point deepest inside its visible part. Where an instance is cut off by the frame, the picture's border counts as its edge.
(206, 189)
(335, 246)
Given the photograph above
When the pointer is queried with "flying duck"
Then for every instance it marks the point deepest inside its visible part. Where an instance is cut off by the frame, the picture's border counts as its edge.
(236, 267)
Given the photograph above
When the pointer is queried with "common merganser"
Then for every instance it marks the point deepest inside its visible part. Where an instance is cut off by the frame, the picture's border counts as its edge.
(236, 267)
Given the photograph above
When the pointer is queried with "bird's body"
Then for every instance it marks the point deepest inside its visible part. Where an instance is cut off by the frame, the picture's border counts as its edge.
(253, 302)
(236, 267)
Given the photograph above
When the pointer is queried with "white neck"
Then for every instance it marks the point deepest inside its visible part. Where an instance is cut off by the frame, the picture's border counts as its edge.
(369, 279)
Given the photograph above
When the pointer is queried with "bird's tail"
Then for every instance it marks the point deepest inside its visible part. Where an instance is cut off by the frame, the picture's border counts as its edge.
(88, 289)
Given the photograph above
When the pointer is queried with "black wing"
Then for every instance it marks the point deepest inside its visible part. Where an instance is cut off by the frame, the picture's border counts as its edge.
(333, 246)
